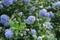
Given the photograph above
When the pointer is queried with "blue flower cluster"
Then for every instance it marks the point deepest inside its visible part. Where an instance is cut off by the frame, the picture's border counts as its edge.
(49, 7)
(27, 1)
(44, 13)
(32, 9)
(4, 19)
(48, 24)
(8, 2)
(56, 4)
(9, 34)
(1, 6)
(52, 15)
(14, 0)
(6, 24)
(33, 31)
(30, 19)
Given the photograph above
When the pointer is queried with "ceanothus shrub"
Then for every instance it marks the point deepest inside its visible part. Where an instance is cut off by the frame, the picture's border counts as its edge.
(29, 20)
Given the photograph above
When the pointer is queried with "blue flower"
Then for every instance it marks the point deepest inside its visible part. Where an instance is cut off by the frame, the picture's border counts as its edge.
(48, 24)
(7, 2)
(1, 6)
(48, 7)
(14, 0)
(52, 15)
(9, 34)
(56, 4)
(4, 18)
(0, 19)
(47, 15)
(32, 9)
(42, 12)
(30, 19)
(27, 1)
(6, 24)
(33, 31)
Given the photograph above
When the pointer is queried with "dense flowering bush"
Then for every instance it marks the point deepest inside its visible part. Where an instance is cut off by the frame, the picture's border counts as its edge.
(29, 20)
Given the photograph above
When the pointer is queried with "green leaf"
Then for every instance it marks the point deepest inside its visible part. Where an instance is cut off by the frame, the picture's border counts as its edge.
(22, 26)
(51, 37)
(12, 24)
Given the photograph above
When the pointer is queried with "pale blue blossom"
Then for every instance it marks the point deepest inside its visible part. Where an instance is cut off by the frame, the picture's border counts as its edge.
(9, 34)
(7, 2)
(30, 19)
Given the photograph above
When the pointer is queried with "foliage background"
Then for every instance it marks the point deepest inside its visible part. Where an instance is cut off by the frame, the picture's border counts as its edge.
(22, 30)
